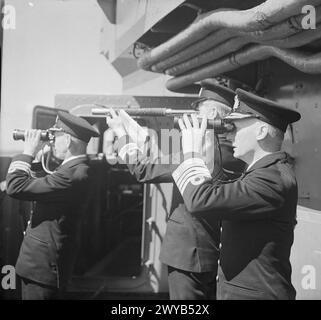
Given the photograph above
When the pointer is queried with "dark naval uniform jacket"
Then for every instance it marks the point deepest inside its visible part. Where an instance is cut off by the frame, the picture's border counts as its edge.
(49, 247)
(190, 243)
(258, 212)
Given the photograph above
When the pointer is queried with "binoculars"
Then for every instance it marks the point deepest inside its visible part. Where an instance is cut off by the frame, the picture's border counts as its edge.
(219, 125)
(46, 135)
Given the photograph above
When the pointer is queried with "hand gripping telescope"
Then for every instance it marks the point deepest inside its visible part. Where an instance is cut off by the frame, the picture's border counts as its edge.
(219, 125)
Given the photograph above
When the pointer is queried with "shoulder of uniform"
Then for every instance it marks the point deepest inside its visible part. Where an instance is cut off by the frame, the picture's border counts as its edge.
(286, 173)
(269, 175)
(80, 172)
(279, 176)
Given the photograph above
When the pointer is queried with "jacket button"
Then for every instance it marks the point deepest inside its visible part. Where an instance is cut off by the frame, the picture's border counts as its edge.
(216, 278)
(218, 261)
(221, 229)
(220, 246)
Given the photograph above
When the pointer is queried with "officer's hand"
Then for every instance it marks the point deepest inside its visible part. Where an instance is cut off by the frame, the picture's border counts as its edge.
(192, 133)
(109, 140)
(137, 133)
(211, 152)
(3, 186)
(32, 142)
(115, 122)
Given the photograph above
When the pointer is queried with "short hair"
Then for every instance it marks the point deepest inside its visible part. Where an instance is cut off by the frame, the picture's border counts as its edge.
(78, 144)
(275, 135)
(275, 132)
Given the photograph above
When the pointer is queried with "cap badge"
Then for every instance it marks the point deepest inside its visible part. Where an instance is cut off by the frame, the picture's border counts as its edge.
(236, 105)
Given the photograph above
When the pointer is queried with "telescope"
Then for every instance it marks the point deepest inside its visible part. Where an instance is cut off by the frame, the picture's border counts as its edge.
(45, 135)
(219, 125)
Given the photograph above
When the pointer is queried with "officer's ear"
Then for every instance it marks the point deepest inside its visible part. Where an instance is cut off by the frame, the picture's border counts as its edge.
(68, 140)
(262, 131)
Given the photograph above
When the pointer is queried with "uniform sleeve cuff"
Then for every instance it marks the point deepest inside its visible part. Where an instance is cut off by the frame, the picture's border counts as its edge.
(193, 170)
(21, 162)
(23, 157)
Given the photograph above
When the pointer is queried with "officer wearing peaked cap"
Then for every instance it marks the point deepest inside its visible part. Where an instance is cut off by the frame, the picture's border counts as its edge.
(190, 246)
(249, 105)
(211, 94)
(258, 210)
(75, 126)
(211, 90)
(48, 251)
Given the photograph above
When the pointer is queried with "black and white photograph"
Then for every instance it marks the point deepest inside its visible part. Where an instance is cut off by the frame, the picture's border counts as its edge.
(160, 152)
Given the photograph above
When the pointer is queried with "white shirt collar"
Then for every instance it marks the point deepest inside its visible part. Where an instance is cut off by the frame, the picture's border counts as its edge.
(253, 163)
(73, 158)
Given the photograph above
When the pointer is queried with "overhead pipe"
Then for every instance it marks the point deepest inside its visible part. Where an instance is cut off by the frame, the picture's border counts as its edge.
(195, 54)
(315, 44)
(285, 29)
(212, 40)
(235, 44)
(297, 40)
(258, 18)
(308, 63)
(231, 45)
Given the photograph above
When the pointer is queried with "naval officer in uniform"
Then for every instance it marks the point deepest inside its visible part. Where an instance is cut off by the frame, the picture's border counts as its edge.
(48, 251)
(258, 210)
(190, 245)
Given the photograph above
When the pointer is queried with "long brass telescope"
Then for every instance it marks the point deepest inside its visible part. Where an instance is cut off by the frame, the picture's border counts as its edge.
(219, 125)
